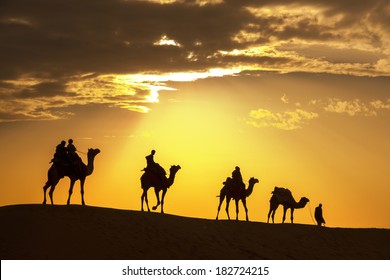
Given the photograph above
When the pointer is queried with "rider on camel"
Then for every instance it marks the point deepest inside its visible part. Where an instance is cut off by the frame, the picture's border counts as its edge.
(154, 167)
(237, 177)
(73, 156)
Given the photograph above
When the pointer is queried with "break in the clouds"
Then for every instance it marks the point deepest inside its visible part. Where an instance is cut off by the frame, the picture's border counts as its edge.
(56, 54)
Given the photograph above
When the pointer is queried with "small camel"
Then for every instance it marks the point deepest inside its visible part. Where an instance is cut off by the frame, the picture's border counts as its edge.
(150, 179)
(231, 191)
(56, 173)
(284, 197)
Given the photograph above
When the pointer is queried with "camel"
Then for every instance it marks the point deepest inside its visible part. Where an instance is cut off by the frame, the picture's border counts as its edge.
(150, 179)
(231, 191)
(284, 197)
(57, 172)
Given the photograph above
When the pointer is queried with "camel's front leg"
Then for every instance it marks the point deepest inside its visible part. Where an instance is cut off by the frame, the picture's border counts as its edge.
(246, 209)
(82, 181)
(157, 192)
(284, 213)
(164, 192)
(70, 190)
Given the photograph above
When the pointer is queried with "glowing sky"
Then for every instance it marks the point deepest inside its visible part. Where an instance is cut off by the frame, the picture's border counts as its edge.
(294, 92)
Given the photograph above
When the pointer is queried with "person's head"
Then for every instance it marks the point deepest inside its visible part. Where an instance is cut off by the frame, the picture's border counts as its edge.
(153, 152)
(237, 168)
(70, 141)
(63, 142)
(320, 205)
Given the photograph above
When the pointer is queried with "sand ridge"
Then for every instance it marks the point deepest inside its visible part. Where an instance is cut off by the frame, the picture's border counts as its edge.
(84, 232)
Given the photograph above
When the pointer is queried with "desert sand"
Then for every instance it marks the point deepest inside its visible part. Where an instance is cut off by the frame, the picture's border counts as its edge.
(83, 232)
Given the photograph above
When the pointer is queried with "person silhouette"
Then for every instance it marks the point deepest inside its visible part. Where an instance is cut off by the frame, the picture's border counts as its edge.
(150, 164)
(154, 167)
(237, 177)
(318, 215)
(60, 154)
(73, 156)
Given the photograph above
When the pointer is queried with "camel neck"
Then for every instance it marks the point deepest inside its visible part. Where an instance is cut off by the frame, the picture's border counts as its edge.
(90, 165)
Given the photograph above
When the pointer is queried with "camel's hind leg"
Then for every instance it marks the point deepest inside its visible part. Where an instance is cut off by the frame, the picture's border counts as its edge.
(221, 199)
(237, 208)
(45, 187)
(157, 192)
(271, 213)
(144, 196)
(227, 206)
(52, 186)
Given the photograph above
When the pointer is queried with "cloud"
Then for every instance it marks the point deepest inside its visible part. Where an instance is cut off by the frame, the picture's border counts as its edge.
(54, 45)
(284, 99)
(288, 120)
(351, 108)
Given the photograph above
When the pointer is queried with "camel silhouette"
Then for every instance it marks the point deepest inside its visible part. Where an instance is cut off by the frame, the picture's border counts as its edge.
(284, 197)
(231, 191)
(57, 172)
(150, 179)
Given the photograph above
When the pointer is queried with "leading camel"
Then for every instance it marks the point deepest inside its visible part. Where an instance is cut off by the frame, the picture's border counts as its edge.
(150, 179)
(284, 197)
(57, 172)
(230, 190)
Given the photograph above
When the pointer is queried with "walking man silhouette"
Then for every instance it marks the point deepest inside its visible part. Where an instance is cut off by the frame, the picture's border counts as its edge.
(318, 215)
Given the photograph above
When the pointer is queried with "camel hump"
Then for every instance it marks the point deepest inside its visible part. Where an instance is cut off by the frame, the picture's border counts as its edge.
(282, 193)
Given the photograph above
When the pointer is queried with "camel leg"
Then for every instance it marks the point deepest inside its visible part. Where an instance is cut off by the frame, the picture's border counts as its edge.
(156, 191)
(292, 215)
(45, 187)
(227, 206)
(164, 192)
(53, 187)
(246, 209)
(284, 214)
(70, 190)
(236, 201)
(82, 181)
(144, 196)
(271, 213)
(221, 199)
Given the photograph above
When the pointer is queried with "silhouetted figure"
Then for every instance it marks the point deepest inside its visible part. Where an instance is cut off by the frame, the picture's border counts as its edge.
(154, 167)
(73, 156)
(318, 215)
(237, 177)
(56, 172)
(150, 179)
(60, 156)
(284, 197)
(231, 191)
(150, 160)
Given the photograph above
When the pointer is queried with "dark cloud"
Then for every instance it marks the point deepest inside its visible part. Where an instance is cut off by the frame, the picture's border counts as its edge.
(56, 42)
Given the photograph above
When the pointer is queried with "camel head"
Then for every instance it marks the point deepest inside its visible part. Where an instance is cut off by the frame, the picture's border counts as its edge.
(93, 152)
(253, 180)
(303, 201)
(174, 168)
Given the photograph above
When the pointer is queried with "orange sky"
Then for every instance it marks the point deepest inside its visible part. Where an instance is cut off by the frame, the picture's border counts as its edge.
(294, 94)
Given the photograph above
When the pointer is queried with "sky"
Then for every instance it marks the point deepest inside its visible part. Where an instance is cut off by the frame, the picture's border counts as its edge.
(295, 93)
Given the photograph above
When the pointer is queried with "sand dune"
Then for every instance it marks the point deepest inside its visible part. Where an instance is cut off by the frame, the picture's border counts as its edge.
(77, 232)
